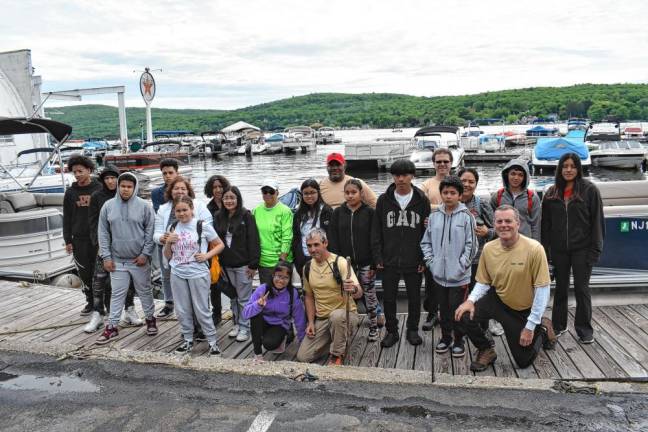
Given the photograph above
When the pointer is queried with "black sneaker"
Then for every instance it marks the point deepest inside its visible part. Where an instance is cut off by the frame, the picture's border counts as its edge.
(214, 350)
(413, 337)
(87, 310)
(458, 349)
(390, 339)
(185, 348)
(586, 340)
(430, 321)
(443, 346)
(165, 312)
(199, 336)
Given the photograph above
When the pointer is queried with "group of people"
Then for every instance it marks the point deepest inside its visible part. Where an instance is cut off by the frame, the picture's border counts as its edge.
(485, 261)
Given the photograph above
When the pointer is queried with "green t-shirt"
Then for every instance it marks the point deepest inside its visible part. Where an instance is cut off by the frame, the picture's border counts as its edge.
(275, 232)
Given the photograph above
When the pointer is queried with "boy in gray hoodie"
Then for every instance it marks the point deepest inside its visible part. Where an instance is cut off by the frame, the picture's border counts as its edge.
(126, 224)
(449, 246)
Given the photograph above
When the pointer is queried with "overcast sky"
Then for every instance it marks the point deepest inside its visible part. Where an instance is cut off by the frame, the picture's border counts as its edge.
(232, 54)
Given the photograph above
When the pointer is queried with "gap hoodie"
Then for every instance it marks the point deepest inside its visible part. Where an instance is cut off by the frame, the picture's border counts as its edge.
(449, 245)
(529, 221)
(396, 234)
(126, 226)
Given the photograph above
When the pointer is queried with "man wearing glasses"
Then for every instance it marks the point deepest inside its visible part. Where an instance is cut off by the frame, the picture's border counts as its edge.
(442, 159)
(274, 222)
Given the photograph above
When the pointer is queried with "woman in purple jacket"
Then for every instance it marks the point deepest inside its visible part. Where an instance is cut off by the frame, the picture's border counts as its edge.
(272, 311)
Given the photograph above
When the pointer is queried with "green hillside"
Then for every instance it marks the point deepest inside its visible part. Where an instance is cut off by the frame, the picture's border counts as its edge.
(380, 110)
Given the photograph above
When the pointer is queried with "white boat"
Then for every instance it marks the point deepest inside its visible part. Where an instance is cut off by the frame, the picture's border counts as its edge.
(619, 154)
(260, 148)
(633, 132)
(149, 179)
(603, 132)
(548, 151)
(428, 139)
(377, 154)
(299, 138)
(326, 135)
(470, 138)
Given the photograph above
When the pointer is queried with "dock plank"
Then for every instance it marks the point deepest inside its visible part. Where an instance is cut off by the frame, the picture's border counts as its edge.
(563, 362)
(638, 352)
(504, 364)
(442, 362)
(641, 309)
(627, 325)
(544, 367)
(358, 342)
(635, 317)
(423, 361)
(406, 354)
(461, 365)
(579, 357)
(388, 356)
(527, 372)
(471, 352)
(372, 351)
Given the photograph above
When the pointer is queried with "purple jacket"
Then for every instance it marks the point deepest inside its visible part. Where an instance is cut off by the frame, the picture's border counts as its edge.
(276, 310)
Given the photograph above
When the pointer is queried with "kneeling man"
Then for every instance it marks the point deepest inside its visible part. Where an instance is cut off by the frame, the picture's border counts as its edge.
(512, 288)
(326, 278)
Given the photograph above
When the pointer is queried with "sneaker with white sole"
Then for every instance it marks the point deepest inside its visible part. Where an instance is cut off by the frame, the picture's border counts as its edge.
(373, 335)
(242, 335)
(495, 328)
(185, 348)
(131, 318)
(95, 323)
(586, 340)
(258, 359)
(214, 350)
(110, 333)
(234, 332)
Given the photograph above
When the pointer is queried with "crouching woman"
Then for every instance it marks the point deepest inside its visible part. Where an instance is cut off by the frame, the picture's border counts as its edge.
(189, 247)
(272, 311)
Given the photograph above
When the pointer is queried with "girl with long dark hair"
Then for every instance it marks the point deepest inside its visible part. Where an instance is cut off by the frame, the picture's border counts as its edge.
(573, 229)
(215, 186)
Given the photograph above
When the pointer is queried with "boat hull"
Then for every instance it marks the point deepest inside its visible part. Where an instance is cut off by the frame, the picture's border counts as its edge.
(625, 243)
(143, 160)
(619, 161)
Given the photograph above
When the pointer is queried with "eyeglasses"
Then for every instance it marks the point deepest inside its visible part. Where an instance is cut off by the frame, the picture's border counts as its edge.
(309, 193)
(441, 162)
(281, 277)
(267, 191)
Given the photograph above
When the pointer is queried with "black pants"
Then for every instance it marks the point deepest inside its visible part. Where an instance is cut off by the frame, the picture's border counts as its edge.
(575, 261)
(84, 255)
(101, 290)
(270, 336)
(491, 307)
(390, 279)
(449, 300)
(431, 303)
(473, 281)
(217, 307)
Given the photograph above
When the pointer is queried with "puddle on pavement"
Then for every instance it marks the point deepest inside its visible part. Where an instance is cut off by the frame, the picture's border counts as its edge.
(49, 384)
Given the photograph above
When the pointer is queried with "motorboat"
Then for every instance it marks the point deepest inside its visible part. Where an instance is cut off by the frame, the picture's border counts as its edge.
(151, 178)
(299, 137)
(275, 143)
(216, 143)
(577, 123)
(326, 135)
(541, 131)
(548, 151)
(378, 153)
(149, 157)
(470, 138)
(603, 132)
(619, 154)
(428, 139)
(633, 133)
(261, 147)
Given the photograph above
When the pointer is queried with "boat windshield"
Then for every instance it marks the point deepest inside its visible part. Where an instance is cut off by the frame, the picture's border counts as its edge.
(428, 144)
(31, 226)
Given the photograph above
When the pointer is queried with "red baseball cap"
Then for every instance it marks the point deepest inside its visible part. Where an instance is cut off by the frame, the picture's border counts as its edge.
(335, 157)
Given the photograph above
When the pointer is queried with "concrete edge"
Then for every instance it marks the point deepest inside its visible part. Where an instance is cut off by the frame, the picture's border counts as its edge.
(293, 370)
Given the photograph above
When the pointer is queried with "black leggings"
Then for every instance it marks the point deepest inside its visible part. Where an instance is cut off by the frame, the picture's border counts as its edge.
(270, 336)
(576, 261)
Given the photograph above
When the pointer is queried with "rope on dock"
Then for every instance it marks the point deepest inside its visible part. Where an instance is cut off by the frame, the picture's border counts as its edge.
(35, 329)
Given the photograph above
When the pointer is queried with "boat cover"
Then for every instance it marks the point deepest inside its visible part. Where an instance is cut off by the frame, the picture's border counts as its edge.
(554, 148)
(576, 134)
(20, 126)
(239, 126)
(436, 129)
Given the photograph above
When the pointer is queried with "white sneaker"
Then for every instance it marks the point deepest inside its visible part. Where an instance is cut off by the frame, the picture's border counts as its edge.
(242, 335)
(495, 328)
(234, 332)
(131, 318)
(96, 322)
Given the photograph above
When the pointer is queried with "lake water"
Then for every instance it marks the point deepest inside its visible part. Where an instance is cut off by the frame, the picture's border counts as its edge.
(291, 170)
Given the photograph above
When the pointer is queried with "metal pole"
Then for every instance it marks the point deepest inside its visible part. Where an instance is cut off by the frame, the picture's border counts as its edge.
(149, 124)
(123, 130)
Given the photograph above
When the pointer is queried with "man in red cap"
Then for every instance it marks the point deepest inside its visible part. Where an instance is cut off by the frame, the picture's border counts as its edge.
(332, 187)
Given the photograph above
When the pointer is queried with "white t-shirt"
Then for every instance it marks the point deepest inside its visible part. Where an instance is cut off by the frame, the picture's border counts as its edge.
(183, 262)
(403, 200)
(305, 228)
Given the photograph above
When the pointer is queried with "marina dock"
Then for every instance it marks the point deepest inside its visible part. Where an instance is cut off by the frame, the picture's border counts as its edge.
(31, 313)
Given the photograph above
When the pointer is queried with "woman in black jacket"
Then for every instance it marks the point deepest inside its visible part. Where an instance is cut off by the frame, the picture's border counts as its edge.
(349, 235)
(312, 213)
(573, 228)
(240, 258)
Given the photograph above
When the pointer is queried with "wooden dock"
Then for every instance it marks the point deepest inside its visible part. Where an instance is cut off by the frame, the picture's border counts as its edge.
(50, 315)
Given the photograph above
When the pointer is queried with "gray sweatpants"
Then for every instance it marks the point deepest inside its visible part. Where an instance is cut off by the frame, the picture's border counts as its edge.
(165, 276)
(243, 284)
(192, 299)
(120, 280)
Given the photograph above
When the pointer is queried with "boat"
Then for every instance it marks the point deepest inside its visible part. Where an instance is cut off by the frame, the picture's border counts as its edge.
(577, 123)
(548, 151)
(541, 131)
(151, 178)
(470, 138)
(149, 157)
(216, 143)
(326, 135)
(633, 133)
(603, 132)
(619, 154)
(378, 153)
(428, 139)
(512, 139)
(94, 147)
(275, 143)
(299, 137)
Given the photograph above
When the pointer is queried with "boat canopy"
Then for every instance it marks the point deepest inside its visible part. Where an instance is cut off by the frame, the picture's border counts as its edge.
(554, 148)
(172, 132)
(20, 126)
(278, 137)
(435, 130)
(239, 126)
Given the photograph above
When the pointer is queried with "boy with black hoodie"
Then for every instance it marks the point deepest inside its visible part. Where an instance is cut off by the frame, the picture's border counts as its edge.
(76, 227)
(396, 236)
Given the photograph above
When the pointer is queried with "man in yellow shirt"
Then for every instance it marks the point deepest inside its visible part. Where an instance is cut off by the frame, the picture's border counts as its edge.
(325, 278)
(332, 187)
(513, 288)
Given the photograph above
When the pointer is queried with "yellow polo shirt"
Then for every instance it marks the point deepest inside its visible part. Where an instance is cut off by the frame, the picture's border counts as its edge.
(327, 292)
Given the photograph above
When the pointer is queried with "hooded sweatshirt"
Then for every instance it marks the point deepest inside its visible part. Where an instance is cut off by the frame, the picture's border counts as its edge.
(349, 234)
(76, 203)
(529, 221)
(449, 245)
(126, 226)
(243, 248)
(396, 234)
(277, 309)
(98, 199)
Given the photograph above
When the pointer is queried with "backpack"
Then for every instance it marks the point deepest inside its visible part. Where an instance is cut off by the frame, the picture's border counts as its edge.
(335, 269)
(529, 199)
(213, 264)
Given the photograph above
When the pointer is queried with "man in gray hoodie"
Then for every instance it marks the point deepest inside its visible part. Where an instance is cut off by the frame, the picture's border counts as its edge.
(515, 179)
(449, 245)
(126, 224)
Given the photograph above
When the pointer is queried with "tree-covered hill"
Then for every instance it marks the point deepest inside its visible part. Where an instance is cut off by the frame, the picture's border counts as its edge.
(380, 110)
